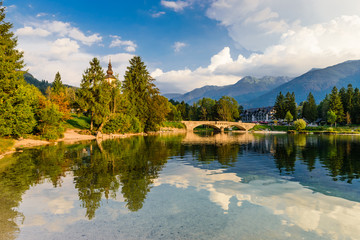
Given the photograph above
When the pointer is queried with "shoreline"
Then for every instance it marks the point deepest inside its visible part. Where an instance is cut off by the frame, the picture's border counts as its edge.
(72, 136)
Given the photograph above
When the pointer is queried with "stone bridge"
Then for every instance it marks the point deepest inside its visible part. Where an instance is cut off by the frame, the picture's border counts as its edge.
(218, 125)
(218, 138)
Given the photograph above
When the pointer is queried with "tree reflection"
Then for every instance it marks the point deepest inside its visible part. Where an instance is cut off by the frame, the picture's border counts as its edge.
(132, 163)
(338, 154)
(22, 171)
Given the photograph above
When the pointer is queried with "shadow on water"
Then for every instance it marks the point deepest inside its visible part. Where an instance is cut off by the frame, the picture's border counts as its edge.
(129, 166)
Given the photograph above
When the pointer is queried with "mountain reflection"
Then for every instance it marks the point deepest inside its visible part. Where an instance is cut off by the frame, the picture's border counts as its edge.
(129, 166)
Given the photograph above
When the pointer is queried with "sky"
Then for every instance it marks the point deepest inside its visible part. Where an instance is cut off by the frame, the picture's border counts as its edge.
(185, 44)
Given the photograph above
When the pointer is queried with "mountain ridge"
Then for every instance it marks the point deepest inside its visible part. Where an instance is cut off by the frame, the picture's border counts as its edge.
(243, 89)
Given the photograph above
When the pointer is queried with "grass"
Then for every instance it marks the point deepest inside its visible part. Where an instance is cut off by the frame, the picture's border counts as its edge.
(173, 125)
(78, 122)
(6, 145)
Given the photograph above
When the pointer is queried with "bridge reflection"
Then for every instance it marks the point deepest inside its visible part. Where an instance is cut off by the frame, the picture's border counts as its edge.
(219, 138)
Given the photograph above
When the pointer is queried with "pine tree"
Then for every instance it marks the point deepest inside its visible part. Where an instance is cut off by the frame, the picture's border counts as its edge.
(57, 85)
(94, 94)
(16, 97)
(310, 109)
(335, 105)
(355, 112)
(139, 89)
(279, 106)
(349, 99)
(290, 104)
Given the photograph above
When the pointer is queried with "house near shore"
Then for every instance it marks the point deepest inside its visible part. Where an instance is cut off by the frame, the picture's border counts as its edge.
(265, 114)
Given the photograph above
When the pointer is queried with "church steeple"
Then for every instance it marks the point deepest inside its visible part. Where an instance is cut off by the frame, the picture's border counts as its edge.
(110, 77)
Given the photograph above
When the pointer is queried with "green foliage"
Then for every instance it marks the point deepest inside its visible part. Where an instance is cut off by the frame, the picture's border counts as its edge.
(16, 98)
(288, 117)
(94, 94)
(174, 114)
(143, 97)
(279, 106)
(285, 104)
(50, 122)
(79, 122)
(17, 111)
(299, 124)
(41, 85)
(173, 125)
(6, 145)
(309, 111)
(207, 110)
(290, 104)
(335, 105)
(123, 123)
(331, 117)
(227, 109)
(57, 85)
(159, 107)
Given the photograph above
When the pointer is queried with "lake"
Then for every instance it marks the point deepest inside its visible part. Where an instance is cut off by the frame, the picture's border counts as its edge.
(222, 186)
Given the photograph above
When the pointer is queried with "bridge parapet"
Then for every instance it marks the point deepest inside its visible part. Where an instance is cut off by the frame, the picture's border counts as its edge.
(219, 125)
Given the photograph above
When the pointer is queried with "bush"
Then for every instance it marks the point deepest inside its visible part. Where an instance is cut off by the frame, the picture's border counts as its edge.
(50, 122)
(173, 125)
(122, 123)
(300, 124)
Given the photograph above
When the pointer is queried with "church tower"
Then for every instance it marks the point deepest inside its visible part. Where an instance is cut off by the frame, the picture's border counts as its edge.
(110, 77)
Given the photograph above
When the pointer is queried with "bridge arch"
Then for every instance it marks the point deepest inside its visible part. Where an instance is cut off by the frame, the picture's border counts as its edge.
(218, 125)
(237, 125)
(207, 124)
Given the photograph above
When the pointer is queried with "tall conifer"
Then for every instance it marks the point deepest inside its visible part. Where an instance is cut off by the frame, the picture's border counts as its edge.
(94, 94)
(139, 89)
(310, 109)
(335, 104)
(279, 106)
(16, 98)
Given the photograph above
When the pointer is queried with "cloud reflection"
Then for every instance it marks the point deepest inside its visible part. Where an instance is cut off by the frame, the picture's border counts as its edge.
(296, 205)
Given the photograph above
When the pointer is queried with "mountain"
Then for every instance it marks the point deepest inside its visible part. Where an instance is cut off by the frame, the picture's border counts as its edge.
(246, 88)
(317, 81)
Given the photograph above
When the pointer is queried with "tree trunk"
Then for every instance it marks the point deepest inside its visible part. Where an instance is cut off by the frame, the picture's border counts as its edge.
(103, 124)
(91, 122)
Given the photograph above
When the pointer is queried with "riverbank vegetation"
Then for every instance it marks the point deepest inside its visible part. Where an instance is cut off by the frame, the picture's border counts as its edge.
(338, 107)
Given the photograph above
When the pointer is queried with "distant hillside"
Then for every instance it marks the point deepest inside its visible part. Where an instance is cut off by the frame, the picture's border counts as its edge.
(41, 85)
(318, 81)
(245, 89)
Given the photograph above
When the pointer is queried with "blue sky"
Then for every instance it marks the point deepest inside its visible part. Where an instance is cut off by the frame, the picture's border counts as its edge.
(186, 43)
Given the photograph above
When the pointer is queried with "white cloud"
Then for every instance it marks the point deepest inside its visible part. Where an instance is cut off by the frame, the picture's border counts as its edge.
(176, 6)
(41, 15)
(290, 43)
(128, 45)
(64, 47)
(158, 14)
(186, 79)
(178, 46)
(249, 22)
(58, 29)
(30, 31)
(51, 46)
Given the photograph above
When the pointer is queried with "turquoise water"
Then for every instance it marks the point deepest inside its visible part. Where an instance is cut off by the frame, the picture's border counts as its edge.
(229, 186)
